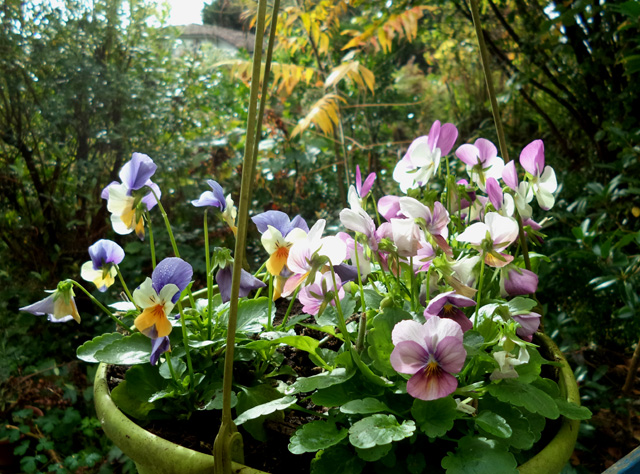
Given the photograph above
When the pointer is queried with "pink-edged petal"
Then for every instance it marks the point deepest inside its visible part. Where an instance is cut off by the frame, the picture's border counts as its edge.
(504, 230)
(510, 175)
(408, 330)
(548, 180)
(389, 207)
(358, 180)
(437, 329)
(431, 387)
(532, 157)
(491, 260)
(408, 357)
(448, 136)
(450, 353)
(468, 154)
(495, 193)
(293, 282)
(334, 249)
(439, 220)
(487, 151)
(434, 135)
(368, 183)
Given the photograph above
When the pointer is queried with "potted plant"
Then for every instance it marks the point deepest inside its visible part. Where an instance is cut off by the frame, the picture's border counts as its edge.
(426, 355)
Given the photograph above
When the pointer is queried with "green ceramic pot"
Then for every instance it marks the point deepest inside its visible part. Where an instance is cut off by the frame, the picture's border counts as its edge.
(154, 455)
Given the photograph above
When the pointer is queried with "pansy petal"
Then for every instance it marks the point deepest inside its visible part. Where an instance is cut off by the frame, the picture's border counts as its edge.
(145, 296)
(135, 173)
(174, 271)
(413, 208)
(276, 219)
(451, 353)
(389, 207)
(532, 157)
(510, 175)
(408, 330)
(447, 138)
(468, 154)
(105, 251)
(438, 385)
(150, 199)
(408, 357)
(474, 234)
(159, 346)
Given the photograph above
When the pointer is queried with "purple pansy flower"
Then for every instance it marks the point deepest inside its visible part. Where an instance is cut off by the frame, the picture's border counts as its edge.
(158, 295)
(529, 324)
(446, 305)
(280, 221)
(248, 282)
(214, 198)
(432, 352)
(100, 270)
(515, 281)
(278, 235)
(123, 204)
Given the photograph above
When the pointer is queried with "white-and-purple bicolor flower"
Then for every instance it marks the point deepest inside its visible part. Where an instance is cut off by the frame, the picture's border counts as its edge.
(435, 221)
(101, 269)
(482, 161)
(279, 233)
(522, 192)
(529, 324)
(543, 178)
(432, 352)
(158, 295)
(59, 306)
(492, 236)
(248, 282)
(125, 205)
(214, 198)
(422, 159)
(447, 305)
(389, 207)
(309, 254)
(502, 202)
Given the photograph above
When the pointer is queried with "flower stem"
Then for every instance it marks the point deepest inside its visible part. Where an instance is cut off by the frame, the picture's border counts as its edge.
(101, 306)
(185, 341)
(270, 303)
(342, 325)
(124, 286)
(209, 276)
(479, 296)
(152, 246)
(290, 307)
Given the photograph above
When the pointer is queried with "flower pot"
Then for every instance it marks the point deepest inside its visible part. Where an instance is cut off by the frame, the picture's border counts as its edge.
(150, 453)
(154, 455)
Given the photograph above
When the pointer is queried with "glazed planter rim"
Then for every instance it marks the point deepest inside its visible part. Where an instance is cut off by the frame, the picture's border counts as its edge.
(147, 449)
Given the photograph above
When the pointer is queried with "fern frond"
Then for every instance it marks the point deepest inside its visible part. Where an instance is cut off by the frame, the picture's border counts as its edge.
(324, 114)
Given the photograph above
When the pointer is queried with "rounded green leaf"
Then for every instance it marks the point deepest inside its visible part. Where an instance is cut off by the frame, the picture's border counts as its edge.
(379, 429)
(315, 436)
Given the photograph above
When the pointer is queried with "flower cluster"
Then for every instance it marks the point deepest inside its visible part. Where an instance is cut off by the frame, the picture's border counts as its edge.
(428, 295)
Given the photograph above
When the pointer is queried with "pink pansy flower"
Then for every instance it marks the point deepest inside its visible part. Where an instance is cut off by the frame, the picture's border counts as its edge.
(432, 352)
(435, 221)
(363, 261)
(543, 178)
(522, 193)
(313, 296)
(422, 159)
(446, 305)
(482, 161)
(424, 257)
(359, 221)
(303, 251)
(492, 236)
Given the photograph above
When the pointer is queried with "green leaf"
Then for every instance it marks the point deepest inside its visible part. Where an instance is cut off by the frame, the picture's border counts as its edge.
(479, 456)
(307, 344)
(379, 338)
(379, 429)
(493, 424)
(329, 316)
(128, 350)
(141, 383)
(127, 401)
(336, 395)
(435, 417)
(364, 406)
(340, 456)
(323, 380)
(525, 395)
(252, 314)
(375, 453)
(314, 436)
(416, 463)
(522, 436)
(521, 305)
(179, 367)
(266, 409)
(573, 411)
(87, 351)
(472, 341)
